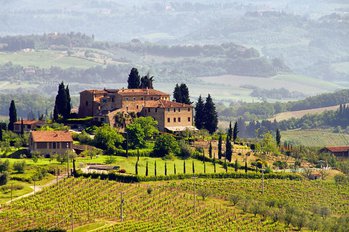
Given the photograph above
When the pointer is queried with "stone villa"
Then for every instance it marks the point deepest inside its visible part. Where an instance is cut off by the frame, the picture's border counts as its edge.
(109, 105)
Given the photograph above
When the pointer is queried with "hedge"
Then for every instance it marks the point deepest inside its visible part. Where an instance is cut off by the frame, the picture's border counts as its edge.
(133, 178)
(142, 152)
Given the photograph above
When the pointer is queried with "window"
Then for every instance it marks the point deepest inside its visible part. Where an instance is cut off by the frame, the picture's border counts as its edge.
(148, 110)
(174, 109)
(168, 120)
(179, 109)
(54, 145)
(188, 119)
(126, 108)
(179, 119)
(112, 99)
(168, 109)
(86, 103)
(126, 98)
(174, 119)
(156, 110)
(188, 109)
(137, 107)
(134, 99)
(142, 98)
(151, 98)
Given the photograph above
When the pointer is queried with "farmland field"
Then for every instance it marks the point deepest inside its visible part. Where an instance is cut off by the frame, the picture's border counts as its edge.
(301, 113)
(315, 138)
(88, 204)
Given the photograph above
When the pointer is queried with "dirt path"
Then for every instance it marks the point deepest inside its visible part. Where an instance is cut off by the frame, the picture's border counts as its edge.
(38, 188)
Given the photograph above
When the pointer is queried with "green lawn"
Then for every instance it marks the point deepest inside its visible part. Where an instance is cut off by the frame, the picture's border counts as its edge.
(315, 138)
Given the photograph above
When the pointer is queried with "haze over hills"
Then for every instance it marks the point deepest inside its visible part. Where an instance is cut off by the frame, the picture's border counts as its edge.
(309, 37)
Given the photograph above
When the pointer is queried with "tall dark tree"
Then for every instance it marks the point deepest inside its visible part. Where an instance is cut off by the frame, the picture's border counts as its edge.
(12, 115)
(185, 94)
(230, 131)
(146, 169)
(62, 103)
(133, 81)
(210, 115)
(174, 169)
(199, 113)
(184, 168)
(147, 82)
(210, 150)
(193, 167)
(165, 168)
(235, 132)
(22, 127)
(177, 95)
(228, 149)
(278, 137)
(220, 143)
(0, 133)
(155, 168)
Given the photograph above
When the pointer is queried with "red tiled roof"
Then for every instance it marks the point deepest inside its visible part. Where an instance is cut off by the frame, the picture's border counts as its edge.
(135, 92)
(51, 136)
(27, 122)
(166, 104)
(96, 91)
(338, 149)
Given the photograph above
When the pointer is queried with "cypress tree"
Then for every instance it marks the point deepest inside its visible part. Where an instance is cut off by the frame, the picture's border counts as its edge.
(136, 168)
(0, 133)
(177, 95)
(174, 169)
(210, 150)
(230, 131)
(235, 132)
(225, 165)
(245, 166)
(155, 168)
(146, 169)
(61, 103)
(278, 137)
(228, 149)
(210, 115)
(68, 107)
(193, 167)
(220, 141)
(22, 127)
(236, 165)
(204, 166)
(214, 165)
(184, 170)
(133, 79)
(165, 168)
(199, 113)
(12, 115)
(184, 94)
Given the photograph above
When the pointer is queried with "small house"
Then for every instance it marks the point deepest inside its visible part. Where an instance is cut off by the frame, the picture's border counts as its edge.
(50, 142)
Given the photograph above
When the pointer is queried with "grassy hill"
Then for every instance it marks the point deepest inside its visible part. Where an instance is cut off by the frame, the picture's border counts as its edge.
(315, 138)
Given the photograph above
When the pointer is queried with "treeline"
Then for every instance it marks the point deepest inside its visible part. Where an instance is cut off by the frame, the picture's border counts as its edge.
(280, 93)
(57, 40)
(264, 110)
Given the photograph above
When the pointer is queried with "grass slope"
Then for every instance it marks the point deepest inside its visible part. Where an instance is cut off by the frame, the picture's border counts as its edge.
(315, 138)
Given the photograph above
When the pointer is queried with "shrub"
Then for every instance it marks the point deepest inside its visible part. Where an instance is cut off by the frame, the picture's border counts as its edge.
(110, 160)
(4, 166)
(4, 177)
(234, 199)
(19, 166)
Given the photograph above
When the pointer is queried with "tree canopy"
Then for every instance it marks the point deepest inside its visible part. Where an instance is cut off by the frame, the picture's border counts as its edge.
(62, 103)
(165, 144)
(141, 129)
(133, 79)
(199, 114)
(181, 94)
(210, 115)
(107, 138)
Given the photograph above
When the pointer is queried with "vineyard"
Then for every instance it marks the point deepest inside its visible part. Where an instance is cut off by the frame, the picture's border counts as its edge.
(194, 205)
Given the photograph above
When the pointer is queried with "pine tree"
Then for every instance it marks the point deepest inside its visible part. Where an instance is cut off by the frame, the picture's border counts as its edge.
(22, 127)
(133, 79)
(210, 150)
(174, 169)
(214, 165)
(199, 114)
(155, 168)
(230, 131)
(136, 168)
(278, 137)
(228, 149)
(12, 115)
(184, 169)
(210, 115)
(193, 167)
(220, 142)
(68, 107)
(177, 95)
(165, 169)
(245, 166)
(236, 165)
(147, 82)
(184, 94)
(235, 132)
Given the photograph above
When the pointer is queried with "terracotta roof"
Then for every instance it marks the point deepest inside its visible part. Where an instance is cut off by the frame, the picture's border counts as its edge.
(166, 104)
(96, 91)
(338, 149)
(51, 136)
(27, 122)
(137, 92)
